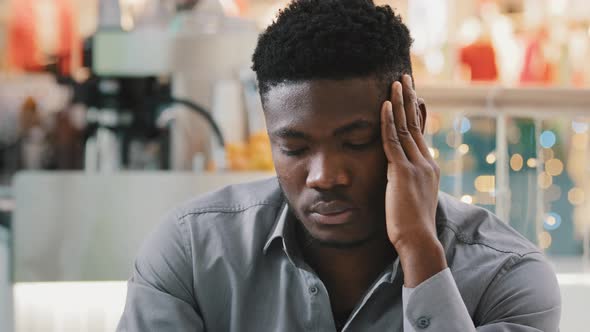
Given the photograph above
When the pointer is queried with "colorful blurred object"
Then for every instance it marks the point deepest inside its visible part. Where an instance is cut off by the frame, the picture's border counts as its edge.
(480, 58)
(23, 51)
(253, 156)
(32, 45)
(536, 68)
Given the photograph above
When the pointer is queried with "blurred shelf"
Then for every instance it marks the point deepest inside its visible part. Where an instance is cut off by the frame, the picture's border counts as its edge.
(496, 99)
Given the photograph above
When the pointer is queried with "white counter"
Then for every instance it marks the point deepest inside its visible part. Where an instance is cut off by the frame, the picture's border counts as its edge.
(88, 228)
(5, 283)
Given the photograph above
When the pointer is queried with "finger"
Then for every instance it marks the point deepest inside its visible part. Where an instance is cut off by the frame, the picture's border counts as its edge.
(391, 144)
(401, 126)
(413, 119)
(411, 106)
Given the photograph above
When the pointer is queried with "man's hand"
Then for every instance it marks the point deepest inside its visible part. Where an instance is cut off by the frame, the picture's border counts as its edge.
(412, 187)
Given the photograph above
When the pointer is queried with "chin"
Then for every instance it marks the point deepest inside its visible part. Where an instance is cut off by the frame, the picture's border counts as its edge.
(344, 238)
(344, 244)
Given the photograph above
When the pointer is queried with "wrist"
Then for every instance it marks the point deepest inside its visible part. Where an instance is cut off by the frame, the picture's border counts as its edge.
(421, 260)
(415, 241)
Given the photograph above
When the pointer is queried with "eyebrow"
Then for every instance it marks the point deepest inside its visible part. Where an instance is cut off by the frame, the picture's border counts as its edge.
(356, 125)
(289, 133)
(292, 133)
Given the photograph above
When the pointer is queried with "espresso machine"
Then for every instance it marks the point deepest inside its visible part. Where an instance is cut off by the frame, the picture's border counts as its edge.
(171, 90)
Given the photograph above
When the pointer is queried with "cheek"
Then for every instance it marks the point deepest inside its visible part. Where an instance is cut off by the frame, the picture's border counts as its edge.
(291, 174)
(371, 174)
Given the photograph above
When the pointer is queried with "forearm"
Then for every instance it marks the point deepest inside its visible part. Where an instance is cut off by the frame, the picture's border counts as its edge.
(436, 305)
(514, 301)
(421, 257)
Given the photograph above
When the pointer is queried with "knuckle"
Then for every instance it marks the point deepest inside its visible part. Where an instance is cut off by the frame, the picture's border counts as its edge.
(403, 132)
(412, 95)
(425, 171)
(436, 170)
(415, 128)
(399, 103)
(433, 170)
(402, 168)
(393, 140)
(410, 167)
(426, 168)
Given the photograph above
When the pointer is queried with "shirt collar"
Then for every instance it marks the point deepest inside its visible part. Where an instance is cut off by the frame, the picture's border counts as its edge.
(282, 230)
(279, 228)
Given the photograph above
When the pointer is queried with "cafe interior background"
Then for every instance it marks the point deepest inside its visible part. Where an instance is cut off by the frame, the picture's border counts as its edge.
(114, 111)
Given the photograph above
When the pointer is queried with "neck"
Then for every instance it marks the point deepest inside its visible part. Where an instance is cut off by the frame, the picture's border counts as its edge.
(348, 272)
(360, 263)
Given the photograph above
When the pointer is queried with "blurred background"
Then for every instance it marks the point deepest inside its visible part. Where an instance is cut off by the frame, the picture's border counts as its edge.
(114, 111)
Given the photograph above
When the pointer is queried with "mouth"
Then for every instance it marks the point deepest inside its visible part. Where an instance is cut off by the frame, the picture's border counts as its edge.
(331, 213)
(332, 219)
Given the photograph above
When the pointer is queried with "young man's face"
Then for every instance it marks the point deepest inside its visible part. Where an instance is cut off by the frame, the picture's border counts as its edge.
(329, 158)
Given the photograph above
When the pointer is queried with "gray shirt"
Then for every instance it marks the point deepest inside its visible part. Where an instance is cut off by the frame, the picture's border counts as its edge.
(228, 261)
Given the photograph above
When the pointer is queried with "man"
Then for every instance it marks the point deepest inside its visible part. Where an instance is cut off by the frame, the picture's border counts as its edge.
(353, 234)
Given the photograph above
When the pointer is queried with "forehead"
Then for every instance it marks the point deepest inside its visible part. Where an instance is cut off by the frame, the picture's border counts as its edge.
(323, 102)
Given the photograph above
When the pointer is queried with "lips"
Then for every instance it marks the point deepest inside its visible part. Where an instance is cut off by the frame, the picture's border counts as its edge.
(332, 213)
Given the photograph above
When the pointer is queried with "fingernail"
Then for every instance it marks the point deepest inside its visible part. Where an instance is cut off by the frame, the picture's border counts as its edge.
(408, 79)
(399, 88)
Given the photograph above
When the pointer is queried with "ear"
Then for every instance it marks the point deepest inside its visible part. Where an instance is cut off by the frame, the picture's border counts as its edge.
(422, 114)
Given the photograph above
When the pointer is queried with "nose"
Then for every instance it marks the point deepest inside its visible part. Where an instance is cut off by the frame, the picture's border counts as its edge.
(327, 172)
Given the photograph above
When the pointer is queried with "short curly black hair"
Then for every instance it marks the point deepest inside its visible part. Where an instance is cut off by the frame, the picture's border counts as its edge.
(332, 39)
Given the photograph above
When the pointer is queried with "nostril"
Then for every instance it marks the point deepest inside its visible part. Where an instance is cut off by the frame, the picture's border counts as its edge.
(327, 172)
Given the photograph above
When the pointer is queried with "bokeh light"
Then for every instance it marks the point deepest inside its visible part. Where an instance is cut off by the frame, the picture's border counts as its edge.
(545, 240)
(485, 183)
(579, 127)
(462, 125)
(548, 139)
(554, 167)
(544, 180)
(516, 162)
(467, 199)
(547, 154)
(552, 221)
(463, 148)
(531, 162)
(434, 152)
(576, 196)
(491, 158)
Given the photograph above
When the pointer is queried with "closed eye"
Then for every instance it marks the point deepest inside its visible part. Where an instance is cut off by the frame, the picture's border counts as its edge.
(361, 145)
(296, 152)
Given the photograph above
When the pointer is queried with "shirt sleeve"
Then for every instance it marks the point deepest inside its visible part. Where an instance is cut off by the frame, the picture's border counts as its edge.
(523, 297)
(160, 296)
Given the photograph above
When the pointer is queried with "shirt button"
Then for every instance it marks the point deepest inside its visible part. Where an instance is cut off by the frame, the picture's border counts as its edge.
(313, 290)
(423, 322)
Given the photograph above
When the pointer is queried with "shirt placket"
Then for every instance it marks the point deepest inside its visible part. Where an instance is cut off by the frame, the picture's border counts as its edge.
(319, 303)
(389, 276)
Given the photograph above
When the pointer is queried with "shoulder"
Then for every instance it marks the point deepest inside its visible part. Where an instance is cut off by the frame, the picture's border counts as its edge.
(471, 225)
(233, 199)
(230, 224)
(229, 214)
(493, 265)
(220, 207)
